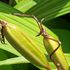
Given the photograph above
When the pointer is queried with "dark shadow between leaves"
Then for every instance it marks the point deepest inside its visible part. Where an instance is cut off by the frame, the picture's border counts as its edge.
(5, 55)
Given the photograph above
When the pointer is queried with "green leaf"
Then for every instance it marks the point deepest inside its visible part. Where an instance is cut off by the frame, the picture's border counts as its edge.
(26, 5)
(7, 9)
(17, 1)
(7, 47)
(31, 28)
(2, 57)
(16, 60)
(45, 9)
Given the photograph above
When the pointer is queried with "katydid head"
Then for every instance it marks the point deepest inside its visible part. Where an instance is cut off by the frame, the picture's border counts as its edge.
(42, 29)
(3, 23)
